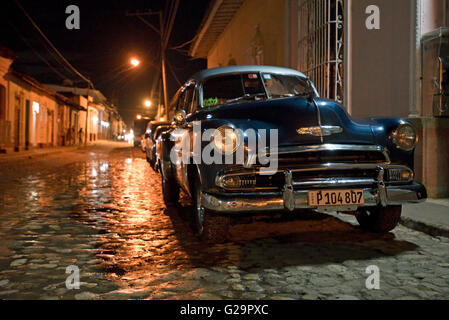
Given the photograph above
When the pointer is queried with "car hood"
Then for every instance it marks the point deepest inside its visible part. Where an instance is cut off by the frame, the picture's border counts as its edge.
(287, 116)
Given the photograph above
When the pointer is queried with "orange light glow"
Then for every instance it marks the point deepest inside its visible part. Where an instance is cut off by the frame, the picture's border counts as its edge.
(134, 62)
(139, 117)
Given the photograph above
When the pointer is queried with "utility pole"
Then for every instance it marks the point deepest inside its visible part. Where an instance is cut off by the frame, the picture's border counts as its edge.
(164, 34)
(164, 75)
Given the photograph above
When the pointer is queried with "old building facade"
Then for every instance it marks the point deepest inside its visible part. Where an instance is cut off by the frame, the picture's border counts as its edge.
(33, 115)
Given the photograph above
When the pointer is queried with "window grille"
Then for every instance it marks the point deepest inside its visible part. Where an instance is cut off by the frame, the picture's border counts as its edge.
(321, 52)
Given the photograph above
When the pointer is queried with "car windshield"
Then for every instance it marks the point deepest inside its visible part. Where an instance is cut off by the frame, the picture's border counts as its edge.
(235, 88)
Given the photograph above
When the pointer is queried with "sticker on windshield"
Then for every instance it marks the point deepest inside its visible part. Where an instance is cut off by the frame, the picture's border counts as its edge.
(210, 102)
(267, 76)
(252, 76)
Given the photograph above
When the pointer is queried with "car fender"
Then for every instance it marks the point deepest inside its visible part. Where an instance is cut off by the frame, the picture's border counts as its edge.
(163, 148)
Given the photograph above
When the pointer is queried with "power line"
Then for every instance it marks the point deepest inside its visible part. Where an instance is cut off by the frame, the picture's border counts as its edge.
(53, 47)
(37, 53)
(173, 13)
(48, 49)
(173, 73)
(185, 43)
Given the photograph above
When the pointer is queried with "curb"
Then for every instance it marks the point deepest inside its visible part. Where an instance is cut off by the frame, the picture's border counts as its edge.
(430, 229)
(34, 155)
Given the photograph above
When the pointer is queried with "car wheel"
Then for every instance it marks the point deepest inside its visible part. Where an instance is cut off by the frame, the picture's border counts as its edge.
(208, 227)
(379, 219)
(170, 190)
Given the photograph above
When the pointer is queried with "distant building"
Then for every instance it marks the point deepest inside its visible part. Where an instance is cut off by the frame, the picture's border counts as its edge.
(398, 68)
(104, 121)
(37, 115)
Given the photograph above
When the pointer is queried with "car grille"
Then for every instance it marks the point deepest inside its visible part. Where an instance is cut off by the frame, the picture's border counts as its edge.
(309, 167)
(328, 156)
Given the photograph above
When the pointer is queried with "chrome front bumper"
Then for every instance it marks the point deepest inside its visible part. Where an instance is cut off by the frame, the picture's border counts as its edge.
(290, 199)
(260, 202)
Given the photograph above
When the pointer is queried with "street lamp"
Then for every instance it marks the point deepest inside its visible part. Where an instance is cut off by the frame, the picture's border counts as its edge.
(135, 62)
(147, 103)
(139, 116)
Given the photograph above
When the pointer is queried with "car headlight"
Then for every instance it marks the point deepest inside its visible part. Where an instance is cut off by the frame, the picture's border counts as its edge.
(227, 139)
(405, 137)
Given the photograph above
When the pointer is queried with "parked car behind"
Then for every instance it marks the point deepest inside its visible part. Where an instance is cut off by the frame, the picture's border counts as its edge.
(154, 129)
(139, 131)
(326, 160)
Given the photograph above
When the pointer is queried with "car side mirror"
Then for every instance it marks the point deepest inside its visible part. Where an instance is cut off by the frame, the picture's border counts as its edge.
(180, 117)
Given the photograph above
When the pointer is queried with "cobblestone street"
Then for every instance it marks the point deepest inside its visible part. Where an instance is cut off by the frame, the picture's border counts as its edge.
(101, 210)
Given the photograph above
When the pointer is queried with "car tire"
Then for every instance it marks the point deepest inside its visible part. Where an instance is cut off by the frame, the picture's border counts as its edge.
(379, 219)
(209, 227)
(170, 190)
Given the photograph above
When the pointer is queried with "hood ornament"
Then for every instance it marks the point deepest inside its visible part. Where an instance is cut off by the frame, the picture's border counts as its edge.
(321, 131)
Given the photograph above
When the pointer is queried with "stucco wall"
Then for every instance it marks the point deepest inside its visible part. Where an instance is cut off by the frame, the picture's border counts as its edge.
(235, 43)
(45, 126)
(434, 15)
(4, 68)
(381, 59)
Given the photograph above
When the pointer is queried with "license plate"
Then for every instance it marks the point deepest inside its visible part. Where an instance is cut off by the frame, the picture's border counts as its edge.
(329, 198)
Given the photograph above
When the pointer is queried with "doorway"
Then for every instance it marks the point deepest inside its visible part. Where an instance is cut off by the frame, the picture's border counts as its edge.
(35, 115)
(50, 127)
(17, 129)
(27, 124)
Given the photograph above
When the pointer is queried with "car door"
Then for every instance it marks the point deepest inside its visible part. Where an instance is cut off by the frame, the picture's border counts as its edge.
(148, 142)
(186, 103)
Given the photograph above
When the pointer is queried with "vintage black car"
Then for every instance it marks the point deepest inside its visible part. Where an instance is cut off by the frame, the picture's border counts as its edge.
(326, 161)
(152, 133)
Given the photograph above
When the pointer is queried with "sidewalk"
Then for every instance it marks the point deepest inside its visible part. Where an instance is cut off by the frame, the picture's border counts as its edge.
(34, 153)
(430, 217)
(40, 152)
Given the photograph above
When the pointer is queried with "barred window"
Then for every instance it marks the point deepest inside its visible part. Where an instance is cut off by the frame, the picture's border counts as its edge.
(321, 31)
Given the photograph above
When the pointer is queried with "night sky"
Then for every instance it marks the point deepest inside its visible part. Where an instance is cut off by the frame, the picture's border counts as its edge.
(103, 46)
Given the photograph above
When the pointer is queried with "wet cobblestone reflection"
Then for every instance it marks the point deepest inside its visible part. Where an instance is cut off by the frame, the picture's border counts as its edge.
(102, 211)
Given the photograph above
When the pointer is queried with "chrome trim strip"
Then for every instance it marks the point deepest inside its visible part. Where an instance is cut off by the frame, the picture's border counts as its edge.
(330, 166)
(330, 130)
(320, 131)
(333, 147)
(333, 182)
(321, 147)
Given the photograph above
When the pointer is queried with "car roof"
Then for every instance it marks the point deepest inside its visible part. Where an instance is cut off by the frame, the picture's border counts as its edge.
(209, 73)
